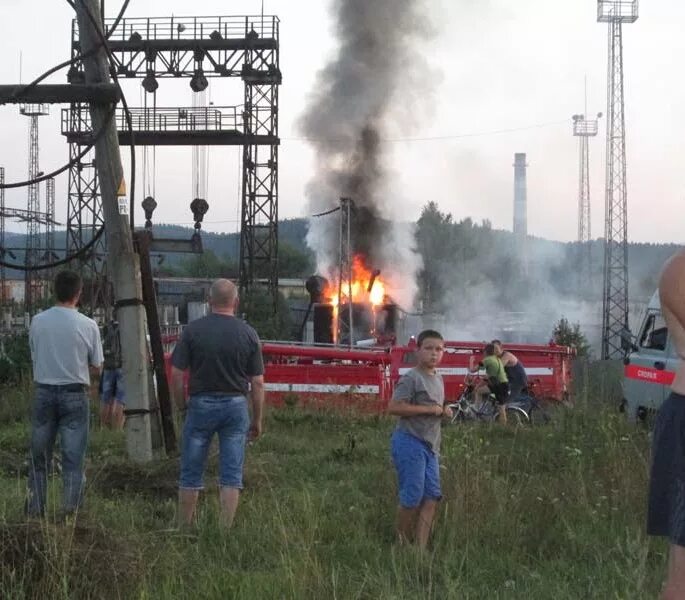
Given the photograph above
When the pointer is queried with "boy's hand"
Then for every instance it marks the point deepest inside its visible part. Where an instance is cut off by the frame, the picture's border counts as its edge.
(447, 412)
(437, 410)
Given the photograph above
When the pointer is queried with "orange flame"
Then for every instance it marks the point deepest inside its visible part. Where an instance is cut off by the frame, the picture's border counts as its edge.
(361, 278)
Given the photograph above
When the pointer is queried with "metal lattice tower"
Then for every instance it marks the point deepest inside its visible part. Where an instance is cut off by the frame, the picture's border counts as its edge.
(584, 129)
(33, 255)
(615, 299)
(345, 329)
(49, 255)
(84, 213)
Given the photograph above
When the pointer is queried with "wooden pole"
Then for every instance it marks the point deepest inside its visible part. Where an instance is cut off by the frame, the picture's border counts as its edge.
(143, 238)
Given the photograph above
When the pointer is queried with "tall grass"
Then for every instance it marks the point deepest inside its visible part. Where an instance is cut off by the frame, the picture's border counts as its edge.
(551, 512)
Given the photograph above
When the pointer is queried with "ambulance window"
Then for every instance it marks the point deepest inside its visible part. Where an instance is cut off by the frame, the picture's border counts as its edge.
(654, 332)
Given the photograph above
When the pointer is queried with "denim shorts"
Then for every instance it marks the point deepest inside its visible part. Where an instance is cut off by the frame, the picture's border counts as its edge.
(418, 472)
(228, 417)
(113, 386)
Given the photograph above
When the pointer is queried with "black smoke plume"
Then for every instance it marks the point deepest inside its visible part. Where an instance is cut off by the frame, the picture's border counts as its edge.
(347, 117)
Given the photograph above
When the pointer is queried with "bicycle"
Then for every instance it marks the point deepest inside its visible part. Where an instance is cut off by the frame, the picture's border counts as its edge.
(469, 407)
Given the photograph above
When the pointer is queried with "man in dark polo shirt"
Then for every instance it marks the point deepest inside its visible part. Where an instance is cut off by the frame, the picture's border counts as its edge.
(224, 357)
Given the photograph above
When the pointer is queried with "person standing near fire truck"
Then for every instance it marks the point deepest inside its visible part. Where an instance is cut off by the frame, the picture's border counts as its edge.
(666, 510)
(224, 357)
(418, 401)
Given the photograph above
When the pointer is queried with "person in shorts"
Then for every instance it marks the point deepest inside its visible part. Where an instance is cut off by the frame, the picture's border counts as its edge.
(112, 398)
(418, 401)
(666, 505)
(224, 357)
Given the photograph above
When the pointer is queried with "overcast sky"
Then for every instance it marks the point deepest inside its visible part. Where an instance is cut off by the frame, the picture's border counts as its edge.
(492, 65)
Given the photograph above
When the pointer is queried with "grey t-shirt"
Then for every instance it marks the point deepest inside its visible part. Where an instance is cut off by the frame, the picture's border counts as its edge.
(63, 343)
(418, 387)
(222, 353)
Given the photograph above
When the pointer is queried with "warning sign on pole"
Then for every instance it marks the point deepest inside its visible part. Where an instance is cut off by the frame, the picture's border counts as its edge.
(122, 188)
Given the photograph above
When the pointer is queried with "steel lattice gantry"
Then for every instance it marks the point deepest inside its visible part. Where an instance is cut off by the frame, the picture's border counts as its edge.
(195, 48)
(85, 217)
(615, 298)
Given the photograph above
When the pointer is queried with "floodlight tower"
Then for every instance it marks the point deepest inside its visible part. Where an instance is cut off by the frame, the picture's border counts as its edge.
(584, 129)
(33, 240)
(615, 300)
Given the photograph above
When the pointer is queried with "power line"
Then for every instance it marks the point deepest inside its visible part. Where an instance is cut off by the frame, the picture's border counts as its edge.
(454, 136)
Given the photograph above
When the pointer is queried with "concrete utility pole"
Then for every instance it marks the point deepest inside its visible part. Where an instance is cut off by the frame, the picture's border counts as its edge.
(122, 261)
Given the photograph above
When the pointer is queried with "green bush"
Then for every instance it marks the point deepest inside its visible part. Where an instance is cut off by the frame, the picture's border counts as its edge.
(15, 359)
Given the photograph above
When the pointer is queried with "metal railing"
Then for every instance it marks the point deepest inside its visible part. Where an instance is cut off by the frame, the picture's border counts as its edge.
(210, 118)
(625, 11)
(191, 28)
(585, 127)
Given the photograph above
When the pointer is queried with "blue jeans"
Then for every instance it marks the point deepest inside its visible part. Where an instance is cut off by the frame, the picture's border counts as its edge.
(63, 410)
(113, 386)
(226, 416)
(418, 472)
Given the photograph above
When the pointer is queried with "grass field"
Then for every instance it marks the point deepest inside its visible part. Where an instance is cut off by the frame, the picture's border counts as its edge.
(555, 512)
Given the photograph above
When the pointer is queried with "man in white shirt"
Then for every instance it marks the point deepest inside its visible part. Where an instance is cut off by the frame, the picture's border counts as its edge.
(65, 350)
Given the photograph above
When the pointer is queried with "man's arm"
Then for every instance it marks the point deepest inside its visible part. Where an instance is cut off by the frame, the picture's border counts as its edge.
(257, 398)
(95, 356)
(177, 391)
(508, 359)
(672, 287)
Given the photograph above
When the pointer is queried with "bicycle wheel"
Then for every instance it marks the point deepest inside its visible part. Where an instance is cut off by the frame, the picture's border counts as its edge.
(516, 416)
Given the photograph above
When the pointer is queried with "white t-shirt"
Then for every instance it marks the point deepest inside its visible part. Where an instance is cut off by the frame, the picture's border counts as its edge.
(63, 343)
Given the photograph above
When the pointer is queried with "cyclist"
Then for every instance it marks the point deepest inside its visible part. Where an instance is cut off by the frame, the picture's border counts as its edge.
(498, 383)
(513, 367)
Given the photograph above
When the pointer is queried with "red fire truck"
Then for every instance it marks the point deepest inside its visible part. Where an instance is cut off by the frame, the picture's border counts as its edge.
(365, 378)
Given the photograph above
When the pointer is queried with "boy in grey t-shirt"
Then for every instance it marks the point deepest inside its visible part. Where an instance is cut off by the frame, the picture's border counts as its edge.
(418, 401)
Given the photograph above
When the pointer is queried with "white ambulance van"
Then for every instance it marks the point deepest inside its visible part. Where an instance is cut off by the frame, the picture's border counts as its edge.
(650, 365)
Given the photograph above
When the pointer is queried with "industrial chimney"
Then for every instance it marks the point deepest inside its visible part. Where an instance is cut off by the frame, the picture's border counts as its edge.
(520, 202)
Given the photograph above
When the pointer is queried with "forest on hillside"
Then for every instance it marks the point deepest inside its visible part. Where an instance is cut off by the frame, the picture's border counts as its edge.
(462, 259)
